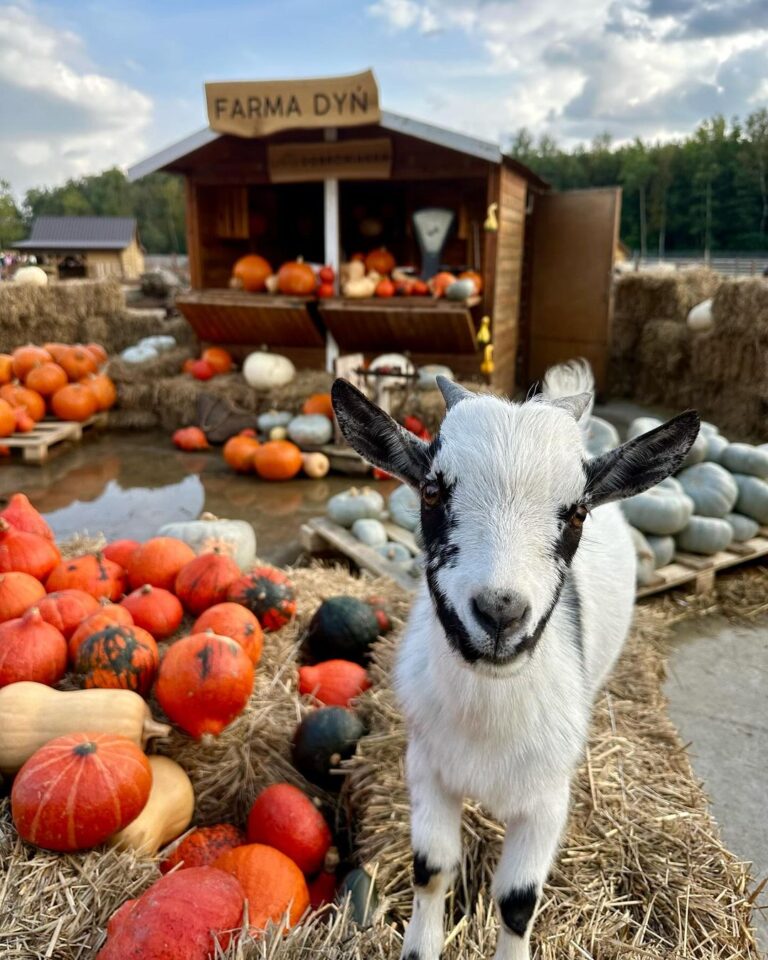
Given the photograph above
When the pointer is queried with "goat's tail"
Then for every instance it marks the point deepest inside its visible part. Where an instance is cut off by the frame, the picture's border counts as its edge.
(567, 379)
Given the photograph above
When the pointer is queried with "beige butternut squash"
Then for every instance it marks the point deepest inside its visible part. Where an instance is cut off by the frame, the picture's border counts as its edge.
(31, 714)
(167, 814)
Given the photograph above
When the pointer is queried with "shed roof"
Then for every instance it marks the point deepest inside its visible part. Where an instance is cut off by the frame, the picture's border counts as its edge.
(396, 122)
(80, 233)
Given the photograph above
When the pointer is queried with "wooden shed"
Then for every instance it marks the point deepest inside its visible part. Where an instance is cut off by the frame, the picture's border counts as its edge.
(330, 186)
(91, 247)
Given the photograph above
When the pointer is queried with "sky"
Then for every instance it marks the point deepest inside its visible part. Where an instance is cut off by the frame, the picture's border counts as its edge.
(90, 84)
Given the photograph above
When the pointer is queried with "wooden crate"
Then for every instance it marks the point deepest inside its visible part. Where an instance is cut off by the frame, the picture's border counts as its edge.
(36, 446)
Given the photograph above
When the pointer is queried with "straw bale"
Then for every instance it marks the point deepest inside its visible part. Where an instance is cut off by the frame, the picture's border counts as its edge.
(133, 419)
(741, 306)
(721, 357)
(166, 364)
(664, 295)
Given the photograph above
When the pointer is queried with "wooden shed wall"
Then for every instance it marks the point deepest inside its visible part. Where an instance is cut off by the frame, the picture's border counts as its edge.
(509, 241)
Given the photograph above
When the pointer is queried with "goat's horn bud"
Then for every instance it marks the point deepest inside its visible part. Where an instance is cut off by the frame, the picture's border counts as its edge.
(452, 392)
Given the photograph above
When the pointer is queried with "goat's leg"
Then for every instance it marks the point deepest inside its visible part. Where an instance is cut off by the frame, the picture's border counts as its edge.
(436, 842)
(529, 848)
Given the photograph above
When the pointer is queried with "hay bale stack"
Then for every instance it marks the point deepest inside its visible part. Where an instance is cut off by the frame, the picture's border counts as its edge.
(662, 360)
(741, 307)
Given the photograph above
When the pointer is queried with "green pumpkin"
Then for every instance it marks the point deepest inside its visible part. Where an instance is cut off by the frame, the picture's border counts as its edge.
(744, 528)
(705, 535)
(355, 504)
(405, 507)
(753, 497)
(394, 552)
(716, 444)
(601, 436)
(370, 532)
(658, 511)
(342, 628)
(322, 740)
(310, 430)
(744, 458)
(358, 885)
(645, 565)
(663, 550)
(712, 489)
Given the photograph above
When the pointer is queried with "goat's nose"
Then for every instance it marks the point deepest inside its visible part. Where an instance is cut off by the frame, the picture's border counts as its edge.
(498, 611)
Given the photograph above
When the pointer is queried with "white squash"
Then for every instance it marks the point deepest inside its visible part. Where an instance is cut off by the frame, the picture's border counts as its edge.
(160, 342)
(744, 458)
(395, 553)
(31, 276)
(707, 428)
(663, 550)
(460, 290)
(700, 317)
(167, 813)
(137, 354)
(236, 538)
(670, 485)
(712, 489)
(265, 371)
(705, 535)
(395, 362)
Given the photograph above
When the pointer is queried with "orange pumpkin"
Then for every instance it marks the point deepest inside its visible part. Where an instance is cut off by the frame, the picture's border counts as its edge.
(79, 789)
(91, 572)
(31, 649)
(6, 368)
(284, 817)
(204, 682)
(380, 261)
(56, 350)
(385, 288)
(26, 552)
(78, 362)
(236, 622)
(319, 403)
(46, 379)
(24, 423)
(335, 683)
(107, 616)
(119, 551)
(272, 882)
(21, 514)
(475, 277)
(74, 402)
(153, 609)
(296, 278)
(219, 358)
(7, 419)
(201, 847)
(252, 272)
(67, 609)
(18, 592)
(158, 562)
(186, 367)
(102, 388)
(98, 353)
(204, 581)
(190, 438)
(440, 282)
(267, 592)
(25, 358)
(118, 657)
(239, 452)
(26, 399)
(277, 460)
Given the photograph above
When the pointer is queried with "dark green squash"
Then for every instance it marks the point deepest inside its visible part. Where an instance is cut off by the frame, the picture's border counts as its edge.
(322, 740)
(343, 628)
(363, 899)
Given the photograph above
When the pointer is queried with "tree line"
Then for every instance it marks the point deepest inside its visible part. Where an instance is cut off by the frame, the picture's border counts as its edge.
(156, 201)
(707, 192)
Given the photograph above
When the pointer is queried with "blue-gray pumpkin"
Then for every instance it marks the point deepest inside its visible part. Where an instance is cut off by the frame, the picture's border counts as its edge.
(716, 444)
(658, 511)
(753, 497)
(645, 563)
(711, 487)
(273, 418)
(395, 552)
(705, 535)
(663, 550)
(405, 507)
(355, 504)
(601, 436)
(744, 528)
(310, 430)
(370, 532)
(744, 458)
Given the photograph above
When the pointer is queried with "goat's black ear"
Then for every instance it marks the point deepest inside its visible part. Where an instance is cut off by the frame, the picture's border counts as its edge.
(377, 437)
(640, 463)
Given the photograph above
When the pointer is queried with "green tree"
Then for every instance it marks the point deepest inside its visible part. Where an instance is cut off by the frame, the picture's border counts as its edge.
(756, 128)
(12, 227)
(636, 173)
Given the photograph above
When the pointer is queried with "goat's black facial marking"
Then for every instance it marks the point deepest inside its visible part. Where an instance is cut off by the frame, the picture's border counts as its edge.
(438, 522)
(530, 641)
(451, 622)
(572, 521)
(517, 908)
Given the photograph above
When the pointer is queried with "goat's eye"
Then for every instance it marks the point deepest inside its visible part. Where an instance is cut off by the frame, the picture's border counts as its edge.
(430, 494)
(577, 516)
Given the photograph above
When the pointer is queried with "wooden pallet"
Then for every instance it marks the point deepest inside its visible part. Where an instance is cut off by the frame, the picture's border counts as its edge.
(700, 572)
(36, 446)
(321, 534)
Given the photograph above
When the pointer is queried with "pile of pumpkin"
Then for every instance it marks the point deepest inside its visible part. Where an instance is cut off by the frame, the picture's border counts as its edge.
(294, 278)
(212, 362)
(80, 774)
(63, 380)
(281, 446)
(718, 497)
(376, 275)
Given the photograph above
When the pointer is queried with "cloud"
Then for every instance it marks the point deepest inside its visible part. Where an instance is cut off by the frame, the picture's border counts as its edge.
(59, 117)
(651, 68)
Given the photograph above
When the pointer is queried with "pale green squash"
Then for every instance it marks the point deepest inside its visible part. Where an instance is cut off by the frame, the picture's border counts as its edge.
(716, 444)
(708, 429)
(235, 538)
(753, 497)
(744, 458)
(663, 550)
(405, 507)
(355, 504)
(670, 485)
(744, 528)
(370, 532)
(310, 430)
(658, 511)
(601, 436)
(705, 535)
(273, 418)
(642, 425)
(712, 489)
(395, 552)
(697, 453)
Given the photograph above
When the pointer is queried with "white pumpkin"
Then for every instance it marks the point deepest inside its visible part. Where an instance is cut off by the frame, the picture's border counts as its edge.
(697, 453)
(265, 371)
(32, 276)
(310, 430)
(460, 290)
(712, 489)
(160, 342)
(236, 538)
(139, 354)
(707, 428)
(395, 362)
(395, 553)
(273, 418)
(700, 317)
(753, 497)
(716, 444)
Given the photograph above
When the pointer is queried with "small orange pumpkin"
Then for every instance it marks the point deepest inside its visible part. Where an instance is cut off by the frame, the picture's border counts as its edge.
(7, 419)
(21, 514)
(296, 278)
(380, 261)
(6, 368)
(204, 682)
(268, 593)
(118, 657)
(319, 403)
(102, 388)
(239, 453)
(29, 400)
(18, 592)
(78, 362)
(98, 353)
(475, 277)
(440, 282)
(74, 402)
(158, 561)
(219, 358)
(46, 379)
(91, 572)
(283, 817)
(201, 847)
(25, 358)
(26, 552)
(119, 551)
(24, 423)
(252, 271)
(56, 350)
(107, 615)
(190, 438)
(236, 622)
(79, 789)
(277, 460)
(335, 683)
(153, 609)
(67, 609)
(31, 649)
(204, 581)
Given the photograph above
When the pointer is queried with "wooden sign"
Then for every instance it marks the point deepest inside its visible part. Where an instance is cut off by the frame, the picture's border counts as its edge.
(255, 109)
(339, 159)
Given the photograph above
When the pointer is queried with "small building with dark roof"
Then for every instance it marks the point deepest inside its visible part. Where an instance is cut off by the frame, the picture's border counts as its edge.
(91, 247)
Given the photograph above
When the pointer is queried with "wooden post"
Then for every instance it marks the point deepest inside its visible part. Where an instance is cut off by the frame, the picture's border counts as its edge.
(331, 194)
(193, 236)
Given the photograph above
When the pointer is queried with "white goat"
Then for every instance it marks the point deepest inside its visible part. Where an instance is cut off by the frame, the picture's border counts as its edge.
(527, 600)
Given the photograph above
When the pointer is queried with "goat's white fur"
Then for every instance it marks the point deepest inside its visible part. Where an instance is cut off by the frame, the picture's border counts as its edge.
(509, 737)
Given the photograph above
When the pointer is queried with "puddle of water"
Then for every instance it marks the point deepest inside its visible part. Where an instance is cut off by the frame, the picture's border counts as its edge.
(129, 484)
